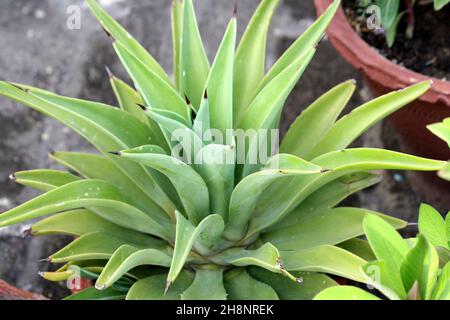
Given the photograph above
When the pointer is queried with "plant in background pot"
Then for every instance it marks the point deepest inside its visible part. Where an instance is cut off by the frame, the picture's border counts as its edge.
(356, 36)
(167, 208)
(404, 269)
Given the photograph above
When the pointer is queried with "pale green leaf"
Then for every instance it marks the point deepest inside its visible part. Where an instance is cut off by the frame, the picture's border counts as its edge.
(433, 226)
(345, 293)
(44, 180)
(313, 123)
(241, 286)
(207, 285)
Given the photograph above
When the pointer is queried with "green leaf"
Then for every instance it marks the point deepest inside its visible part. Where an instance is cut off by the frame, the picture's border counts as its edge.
(388, 246)
(93, 294)
(215, 164)
(441, 130)
(152, 288)
(154, 90)
(378, 276)
(304, 43)
(351, 126)
(442, 290)
(202, 124)
(389, 11)
(420, 265)
(188, 183)
(391, 32)
(186, 236)
(310, 285)
(328, 196)
(433, 226)
(439, 4)
(279, 201)
(94, 166)
(44, 180)
(313, 123)
(220, 82)
(128, 99)
(267, 257)
(250, 58)
(359, 247)
(127, 257)
(97, 246)
(106, 127)
(177, 38)
(445, 173)
(207, 285)
(327, 259)
(325, 227)
(246, 194)
(120, 34)
(345, 293)
(194, 62)
(79, 222)
(268, 104)
(447, 227)
(241, 286)
(88, 193)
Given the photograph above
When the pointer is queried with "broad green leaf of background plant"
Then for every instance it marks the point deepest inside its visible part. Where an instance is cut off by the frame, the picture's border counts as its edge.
(389, 11)
(439, 4)
(433, 226)
(388, 246)
(345, 293)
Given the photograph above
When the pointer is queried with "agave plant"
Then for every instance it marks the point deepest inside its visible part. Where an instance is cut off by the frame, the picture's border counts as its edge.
(442, 130)
(154, 221)
(404, 270)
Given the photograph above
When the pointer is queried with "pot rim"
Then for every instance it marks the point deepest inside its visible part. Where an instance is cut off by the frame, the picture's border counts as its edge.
(374, 65)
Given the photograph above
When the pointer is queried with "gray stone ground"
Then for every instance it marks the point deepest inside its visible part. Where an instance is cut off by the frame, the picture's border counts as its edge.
(37, 48)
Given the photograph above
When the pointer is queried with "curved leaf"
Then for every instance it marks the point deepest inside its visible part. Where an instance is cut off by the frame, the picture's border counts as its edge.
(97, 246)
(120, 34)
(188, 183)
(241, 286)
(432, 226)
(155, 91)
(177, 38)
(126, 258)
(345, 293)
(327, 259)
(351, 126)
(313, 123)
(207, 285)
(93, 294)
(44, 180)
(152, 288)
(308, 286)
(87, 193)
(246, 194)
(328, 226)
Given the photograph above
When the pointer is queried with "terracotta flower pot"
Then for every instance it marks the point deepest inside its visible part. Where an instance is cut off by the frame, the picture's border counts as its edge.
(8, 292)
(383, 76)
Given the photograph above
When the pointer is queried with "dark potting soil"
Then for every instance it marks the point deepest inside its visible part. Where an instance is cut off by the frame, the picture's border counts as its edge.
(427, 52)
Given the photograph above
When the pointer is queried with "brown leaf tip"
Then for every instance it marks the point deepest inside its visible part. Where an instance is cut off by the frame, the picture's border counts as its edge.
(166, 289)
(142, 106)
(13, 177)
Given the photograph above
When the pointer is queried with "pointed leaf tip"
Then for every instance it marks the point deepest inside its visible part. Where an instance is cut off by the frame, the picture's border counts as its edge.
(166, 289)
